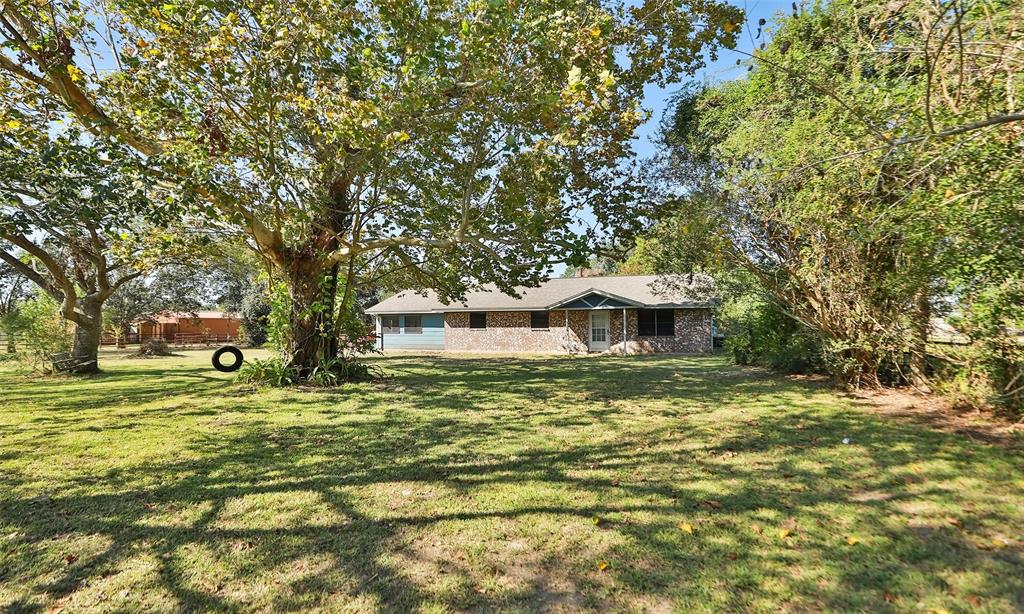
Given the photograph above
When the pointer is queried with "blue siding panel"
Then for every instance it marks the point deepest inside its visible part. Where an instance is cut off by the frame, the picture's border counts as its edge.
(432, 337)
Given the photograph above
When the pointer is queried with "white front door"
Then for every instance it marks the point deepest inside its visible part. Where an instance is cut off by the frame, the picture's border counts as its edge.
(598, 331)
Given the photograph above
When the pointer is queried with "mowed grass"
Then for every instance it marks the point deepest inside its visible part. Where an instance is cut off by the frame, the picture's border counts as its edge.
(494, 483)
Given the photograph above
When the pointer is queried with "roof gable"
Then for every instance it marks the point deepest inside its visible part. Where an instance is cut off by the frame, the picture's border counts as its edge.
(595, 299)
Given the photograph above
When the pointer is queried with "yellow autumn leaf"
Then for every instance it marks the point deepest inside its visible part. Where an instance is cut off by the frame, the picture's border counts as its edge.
(730, 27)
(607, 78)
(853, 540)
(784, 533)
(595, 31)
(685, 527)
(12, 124)
(603, 565)
(575, 76)
(597, 521)
(75, 73)
(949, 194)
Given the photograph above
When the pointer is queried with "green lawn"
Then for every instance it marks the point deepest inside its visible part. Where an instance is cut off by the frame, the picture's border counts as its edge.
(491, 483)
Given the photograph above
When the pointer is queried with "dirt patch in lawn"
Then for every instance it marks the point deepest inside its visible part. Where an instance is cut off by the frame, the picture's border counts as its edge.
(943, 415)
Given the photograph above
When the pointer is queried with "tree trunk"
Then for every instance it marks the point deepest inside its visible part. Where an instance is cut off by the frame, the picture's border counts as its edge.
(87, 337)
(310, 321)
(919, 342)
(332, 332)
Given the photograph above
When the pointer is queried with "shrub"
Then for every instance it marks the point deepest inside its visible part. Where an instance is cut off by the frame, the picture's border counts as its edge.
(45, 332)
(255, 315)
(155, 347)
(272, 372)
(759, 333)
(12, 326)
(266, 372)
(334, 371)
(989, 372)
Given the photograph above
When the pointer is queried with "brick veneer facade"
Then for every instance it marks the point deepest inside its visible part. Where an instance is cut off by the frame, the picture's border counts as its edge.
(509, 331)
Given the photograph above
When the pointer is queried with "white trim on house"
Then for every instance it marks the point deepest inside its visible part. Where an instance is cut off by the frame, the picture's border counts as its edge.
(599, 346)
(599, 293)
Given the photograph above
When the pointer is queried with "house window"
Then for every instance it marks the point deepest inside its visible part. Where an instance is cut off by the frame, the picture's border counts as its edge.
(539, 320)
(478, 319)
(414, 325)
(389, 325)
(656, 322)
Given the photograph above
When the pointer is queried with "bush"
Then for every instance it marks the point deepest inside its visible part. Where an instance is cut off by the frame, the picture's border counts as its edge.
(45, 332)
(334, 371)
(255, 315)
(12, 327)
(266, 372)
(759, 333)
(272, 372)
(155, 347)
(989, 372)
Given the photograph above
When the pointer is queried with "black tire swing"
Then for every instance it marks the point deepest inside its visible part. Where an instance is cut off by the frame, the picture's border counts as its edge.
(227, 368)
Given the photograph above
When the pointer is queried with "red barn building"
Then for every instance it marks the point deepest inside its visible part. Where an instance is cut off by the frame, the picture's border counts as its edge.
(201, 326)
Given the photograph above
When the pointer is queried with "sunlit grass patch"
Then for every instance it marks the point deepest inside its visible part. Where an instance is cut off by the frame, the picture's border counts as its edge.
(656, 483)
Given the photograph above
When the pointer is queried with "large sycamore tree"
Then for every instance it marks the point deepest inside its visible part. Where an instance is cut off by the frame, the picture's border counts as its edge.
(455, 141)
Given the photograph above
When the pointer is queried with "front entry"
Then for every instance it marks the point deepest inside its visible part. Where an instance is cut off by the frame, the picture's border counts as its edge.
(598, 331)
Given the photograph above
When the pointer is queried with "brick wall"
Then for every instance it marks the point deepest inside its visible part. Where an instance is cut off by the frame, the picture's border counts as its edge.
(692, 327)
(509, 331)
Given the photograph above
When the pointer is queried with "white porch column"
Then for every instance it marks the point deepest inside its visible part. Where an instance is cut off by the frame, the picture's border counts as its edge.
(568, 339)
(623, 331)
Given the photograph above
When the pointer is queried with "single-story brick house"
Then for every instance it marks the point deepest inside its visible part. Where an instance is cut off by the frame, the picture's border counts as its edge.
(576, 314)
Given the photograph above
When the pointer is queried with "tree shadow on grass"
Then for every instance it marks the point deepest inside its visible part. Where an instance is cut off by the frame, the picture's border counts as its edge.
(317, 511)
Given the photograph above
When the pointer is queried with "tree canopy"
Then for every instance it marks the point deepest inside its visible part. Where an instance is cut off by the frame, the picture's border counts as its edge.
(893, 181)
(455, 140)
(74, 220)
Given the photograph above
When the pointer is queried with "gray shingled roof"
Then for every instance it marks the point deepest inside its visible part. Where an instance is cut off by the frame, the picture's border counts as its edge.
(645, 290)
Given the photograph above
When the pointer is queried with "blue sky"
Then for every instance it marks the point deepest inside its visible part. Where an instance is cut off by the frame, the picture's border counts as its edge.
(722, 69)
